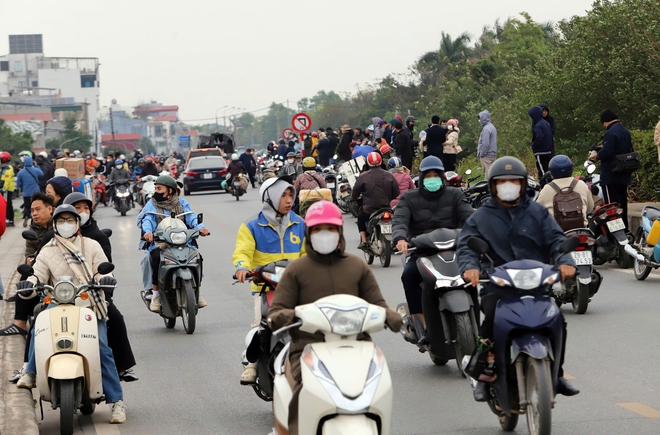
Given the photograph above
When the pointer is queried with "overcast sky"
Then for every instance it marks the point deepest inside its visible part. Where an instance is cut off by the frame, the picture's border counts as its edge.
(205, 54)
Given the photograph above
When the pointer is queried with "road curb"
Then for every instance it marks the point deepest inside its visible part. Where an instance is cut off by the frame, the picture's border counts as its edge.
(17, 415)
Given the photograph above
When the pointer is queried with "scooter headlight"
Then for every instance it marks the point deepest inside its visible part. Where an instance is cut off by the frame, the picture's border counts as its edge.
(526, 279)
(64, 292)
(345, 322)
(179, 238)
(122, 194)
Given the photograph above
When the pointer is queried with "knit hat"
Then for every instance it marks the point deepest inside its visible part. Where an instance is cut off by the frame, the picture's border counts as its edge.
(63, 184)
(453, 122)
(61, 172)
(393, 121)
(608, 116)
(399, 117)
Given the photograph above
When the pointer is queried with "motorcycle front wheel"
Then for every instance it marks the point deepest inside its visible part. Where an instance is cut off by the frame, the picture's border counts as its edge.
(538, 384)
(466, 339)
(67, 406)
(386, 255)
(188, 306)
(641, 271)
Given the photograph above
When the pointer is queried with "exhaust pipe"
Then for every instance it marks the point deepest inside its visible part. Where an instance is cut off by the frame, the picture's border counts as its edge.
(633, 253)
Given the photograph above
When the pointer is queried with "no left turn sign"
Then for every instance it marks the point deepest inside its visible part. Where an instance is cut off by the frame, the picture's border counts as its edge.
(301, 122)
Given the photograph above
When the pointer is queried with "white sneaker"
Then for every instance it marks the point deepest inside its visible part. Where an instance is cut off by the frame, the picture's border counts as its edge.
(201, 302)
(155, 304)
(249, 376)
(118, 413)
(28, 380)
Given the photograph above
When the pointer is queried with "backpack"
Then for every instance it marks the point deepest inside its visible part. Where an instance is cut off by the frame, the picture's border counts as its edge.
(567, 207)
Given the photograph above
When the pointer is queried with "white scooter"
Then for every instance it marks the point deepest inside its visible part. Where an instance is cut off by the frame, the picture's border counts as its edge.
(148, 189)
(66, 343)
(346, 385)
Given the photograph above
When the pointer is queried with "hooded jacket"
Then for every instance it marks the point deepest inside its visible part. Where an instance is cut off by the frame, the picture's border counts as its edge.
(316, 276)
(549, 118)
(377, 187)
(378, 129)
(419, 212)
(28, 177)
(488, 138)
(542, 142)
(616, 141)
(268, 238)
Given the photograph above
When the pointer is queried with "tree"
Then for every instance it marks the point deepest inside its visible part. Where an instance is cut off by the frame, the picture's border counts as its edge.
(78, 140)
(14, 143)
(147, 146)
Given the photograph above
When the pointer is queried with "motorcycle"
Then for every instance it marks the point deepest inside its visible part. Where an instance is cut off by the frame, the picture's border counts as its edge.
(478, 194)
(648, 257)
(528, 341)
(122, 196)
(179, 271)
(147, 190)
(612, 241)
(66, 347)
(100, 189)
(580, 289)
(449, 307)
(262, 347)
(343, 193)
(330, 177)
(379, 237)
(453, 179)
(346, 384)
(237, 187)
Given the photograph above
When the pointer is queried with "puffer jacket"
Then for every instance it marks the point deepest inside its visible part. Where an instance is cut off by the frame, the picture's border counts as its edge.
(420, 211)
(451, 144)
(51, 264)
(542, 142)
(377, 187)
(315, 276)
(405, 182)
(28, 178)
(8, 178)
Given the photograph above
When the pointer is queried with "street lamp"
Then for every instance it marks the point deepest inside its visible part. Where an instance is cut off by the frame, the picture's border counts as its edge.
(235, 129)
(216, 117)
(224, 119)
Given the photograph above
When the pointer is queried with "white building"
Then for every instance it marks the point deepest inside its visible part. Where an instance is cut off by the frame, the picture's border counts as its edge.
(26, 72)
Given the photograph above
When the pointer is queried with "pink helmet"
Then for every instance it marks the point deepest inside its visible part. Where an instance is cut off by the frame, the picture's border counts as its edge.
(323, 212)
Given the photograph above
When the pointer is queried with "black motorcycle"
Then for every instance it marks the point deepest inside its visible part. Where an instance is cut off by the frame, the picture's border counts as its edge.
(123, 198)
(379, 237)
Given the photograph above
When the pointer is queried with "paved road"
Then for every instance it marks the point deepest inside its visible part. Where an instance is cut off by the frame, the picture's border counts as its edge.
(189, 384)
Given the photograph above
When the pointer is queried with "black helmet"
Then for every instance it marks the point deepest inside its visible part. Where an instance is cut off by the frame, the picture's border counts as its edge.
(166, 180)
(65, 208)
(507, 167)
(410, 118)
(561, 166)
(74, 197)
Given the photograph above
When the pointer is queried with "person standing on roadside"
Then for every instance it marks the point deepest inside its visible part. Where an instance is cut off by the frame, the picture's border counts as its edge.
(435, 136)
(549, 118)
(28, 180)
(403, 145)
(616, 141)
(344, 150)
(451, 148)
(543, 146)
(487, 148)
(8, 185)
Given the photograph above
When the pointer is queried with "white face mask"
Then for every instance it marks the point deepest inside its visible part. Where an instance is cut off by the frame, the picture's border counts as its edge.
(84, 217)
(119, 166)
(290, 160)
(508, 191)
(325, 242)
(67, 230)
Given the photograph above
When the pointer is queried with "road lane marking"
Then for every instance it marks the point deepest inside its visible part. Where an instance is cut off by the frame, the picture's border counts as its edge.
(641, 409)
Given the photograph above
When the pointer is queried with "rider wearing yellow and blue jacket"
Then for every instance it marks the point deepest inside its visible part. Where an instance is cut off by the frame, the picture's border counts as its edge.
(277, 233)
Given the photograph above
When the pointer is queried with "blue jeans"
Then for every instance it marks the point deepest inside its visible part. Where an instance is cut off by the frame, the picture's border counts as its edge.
(110, 378)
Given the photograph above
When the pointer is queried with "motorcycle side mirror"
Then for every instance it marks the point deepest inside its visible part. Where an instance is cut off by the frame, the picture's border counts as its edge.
(591, 168)
(29, 235)
(569, 244)
(107, 232)
(480, 246)
(468, 171)
(105, 268)
(25, 270)
(200, 218)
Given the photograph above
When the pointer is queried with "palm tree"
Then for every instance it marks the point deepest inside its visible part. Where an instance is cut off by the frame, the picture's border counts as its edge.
(455, 49)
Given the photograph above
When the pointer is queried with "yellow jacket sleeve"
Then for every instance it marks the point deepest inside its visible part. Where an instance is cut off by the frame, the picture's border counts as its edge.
(245, 247)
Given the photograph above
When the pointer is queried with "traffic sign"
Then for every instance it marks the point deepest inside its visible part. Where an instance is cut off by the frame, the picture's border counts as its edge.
(301, 122)
(286, 133)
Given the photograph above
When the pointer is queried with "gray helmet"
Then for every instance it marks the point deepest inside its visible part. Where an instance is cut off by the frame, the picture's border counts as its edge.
(290, 155)
(66, 208)
(507, 167)
(75, 197)
(166, 180)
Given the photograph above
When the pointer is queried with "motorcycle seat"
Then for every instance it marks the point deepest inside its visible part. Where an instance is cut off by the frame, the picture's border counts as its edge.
(480, 187)
(652, 213)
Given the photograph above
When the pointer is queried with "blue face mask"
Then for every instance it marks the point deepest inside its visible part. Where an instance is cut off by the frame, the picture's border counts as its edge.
(432, 184)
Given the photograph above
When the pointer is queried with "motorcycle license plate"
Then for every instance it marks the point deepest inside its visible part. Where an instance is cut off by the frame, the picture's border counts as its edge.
(344, 194)
(582, 258)
(616, 225)
(331, 185)
(207, 176)
(386, 229)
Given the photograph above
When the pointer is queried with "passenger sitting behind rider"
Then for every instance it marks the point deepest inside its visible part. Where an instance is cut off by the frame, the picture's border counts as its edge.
(164, 202)
(378, 188)
(421, 211)
(326, 270)
(516, 228)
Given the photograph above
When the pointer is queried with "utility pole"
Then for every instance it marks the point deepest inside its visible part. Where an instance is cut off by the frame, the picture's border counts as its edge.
(112, 130)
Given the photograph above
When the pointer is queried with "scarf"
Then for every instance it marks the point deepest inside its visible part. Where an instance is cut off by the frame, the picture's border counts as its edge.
(76, 261)
(167, 207)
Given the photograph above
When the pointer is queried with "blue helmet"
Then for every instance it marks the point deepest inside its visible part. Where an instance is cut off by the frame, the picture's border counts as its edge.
(119, 162)
(394, 162)
(431, 163)
(561, 166)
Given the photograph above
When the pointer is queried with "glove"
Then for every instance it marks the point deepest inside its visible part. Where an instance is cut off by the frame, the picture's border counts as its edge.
(25, 290)
(108, 280)
(593, 155)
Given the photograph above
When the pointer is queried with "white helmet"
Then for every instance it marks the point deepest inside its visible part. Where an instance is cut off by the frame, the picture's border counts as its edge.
(43, 154)
(123, 157)
(234, 156)
(265, 185)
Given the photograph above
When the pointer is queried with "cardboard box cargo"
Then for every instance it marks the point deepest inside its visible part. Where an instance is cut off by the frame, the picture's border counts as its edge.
(74, 167)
